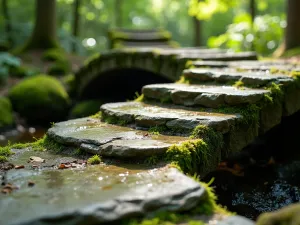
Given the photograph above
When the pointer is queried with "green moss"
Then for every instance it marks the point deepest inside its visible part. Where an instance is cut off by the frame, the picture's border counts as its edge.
(94, 160)
(189, 64)
(189, 156)
(85, 108)
(59, 68)
(291, 52)
(238, 84)
(40, 99)
(113, 120)
(286, 216)
(98, 115)
(54, 55)
(211, 137)
(39, 145)
(3, 159)
(152, 160)
(183, 80)
(157, 130)
(6, 114)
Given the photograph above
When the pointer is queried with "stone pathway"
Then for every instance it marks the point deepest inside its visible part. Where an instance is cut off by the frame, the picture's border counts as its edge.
(202, 119)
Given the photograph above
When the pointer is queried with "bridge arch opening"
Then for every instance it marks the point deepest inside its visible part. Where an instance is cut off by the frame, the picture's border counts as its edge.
(120, 84)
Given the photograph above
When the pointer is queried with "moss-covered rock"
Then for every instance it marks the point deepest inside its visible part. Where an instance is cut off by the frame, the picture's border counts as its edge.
(85, 108)
(54, 55)
(286, 216)
(59, 68)
(40, 99)
(6, 114)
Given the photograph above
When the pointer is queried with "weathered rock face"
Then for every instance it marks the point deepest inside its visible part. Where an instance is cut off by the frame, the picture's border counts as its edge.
(108, 140)
(93, 194)
(203, 95)
(176, 118)
(231, 75)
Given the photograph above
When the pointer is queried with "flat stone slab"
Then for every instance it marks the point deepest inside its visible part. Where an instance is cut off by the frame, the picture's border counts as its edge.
(109, 140)
(203, 95)
(176, 118)
(230, 75)
(94, 194)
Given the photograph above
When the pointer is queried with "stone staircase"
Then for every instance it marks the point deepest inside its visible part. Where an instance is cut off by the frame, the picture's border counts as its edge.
(214, 110)
(238, 100)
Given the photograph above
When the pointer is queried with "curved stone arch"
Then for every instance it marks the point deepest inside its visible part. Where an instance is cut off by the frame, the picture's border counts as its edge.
(166, 65)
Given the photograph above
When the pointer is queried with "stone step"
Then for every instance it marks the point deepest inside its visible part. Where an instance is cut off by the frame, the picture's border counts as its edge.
(203, 95)
(170, 116)
(109, 140)
(98, 194)
(196, 75)
(252, 65)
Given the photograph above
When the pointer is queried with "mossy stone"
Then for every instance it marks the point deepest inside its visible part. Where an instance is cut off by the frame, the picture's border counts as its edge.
(40, 99)
(59, 68)
(286, 216)
(54, 55)
(85, 108)
(6, 113)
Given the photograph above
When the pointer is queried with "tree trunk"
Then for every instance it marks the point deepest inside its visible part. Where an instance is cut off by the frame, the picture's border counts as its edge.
(44, 33)
(76, 18)
(252, 10)
(197, 32)
(118, 13)
(292, 32)
(7, 23)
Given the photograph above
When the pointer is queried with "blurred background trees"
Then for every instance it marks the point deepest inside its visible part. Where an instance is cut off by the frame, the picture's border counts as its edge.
(82, 25)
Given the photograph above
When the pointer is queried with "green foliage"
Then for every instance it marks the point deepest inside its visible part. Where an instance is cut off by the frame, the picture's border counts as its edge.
(238, 84)
(6, 114)
(264, 36)
(157, 130)
(204, 10)
(40, 99)
(85, 108)
(113, 120)
(94, 160)
(7, 62)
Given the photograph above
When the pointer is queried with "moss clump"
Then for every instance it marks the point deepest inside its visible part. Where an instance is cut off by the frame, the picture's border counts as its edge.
(189, 155)
(98, 115)
(94, 160)
(157, 130)
(85, 108)
(6, 114)
(54, 55)
(211, 137)
(59, 68)
(40, 99)
(239, 84)
(113, 120)
(286, 216)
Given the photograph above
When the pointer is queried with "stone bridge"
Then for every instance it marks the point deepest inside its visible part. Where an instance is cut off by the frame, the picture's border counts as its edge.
(226, 102)
(128, 70)
(214, 110)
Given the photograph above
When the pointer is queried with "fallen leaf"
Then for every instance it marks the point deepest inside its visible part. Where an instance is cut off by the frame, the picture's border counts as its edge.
(108, 187)
(31, 183)
(19, 167)
(62, 166)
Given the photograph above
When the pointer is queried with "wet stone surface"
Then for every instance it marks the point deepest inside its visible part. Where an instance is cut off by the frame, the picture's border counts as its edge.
(104, 139)
(203, 95)
(257, 78)
(173, 117)
(90, 194)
